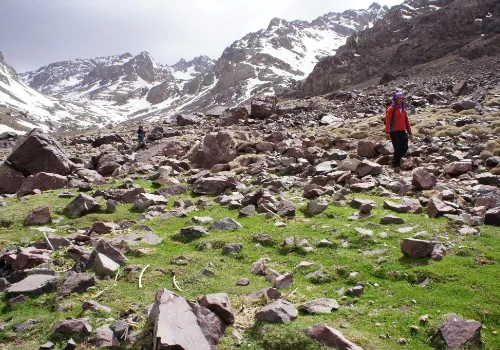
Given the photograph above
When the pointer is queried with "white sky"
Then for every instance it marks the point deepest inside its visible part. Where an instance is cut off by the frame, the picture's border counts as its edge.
(34, 33)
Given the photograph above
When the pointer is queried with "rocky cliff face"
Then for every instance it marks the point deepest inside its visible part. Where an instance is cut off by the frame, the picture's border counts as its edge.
(411, 34)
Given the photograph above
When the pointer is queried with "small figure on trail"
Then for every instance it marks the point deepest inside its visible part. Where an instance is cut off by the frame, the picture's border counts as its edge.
(398, 128)
(141, 135)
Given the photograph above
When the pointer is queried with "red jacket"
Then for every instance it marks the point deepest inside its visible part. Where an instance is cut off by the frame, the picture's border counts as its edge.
(401, 121)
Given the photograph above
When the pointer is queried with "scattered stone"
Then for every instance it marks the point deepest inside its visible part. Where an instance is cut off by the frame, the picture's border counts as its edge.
(39, 216)
(271, 293)
(319, 306)
(82, 205)
(74, 327)
(356, 291)
(225, 224)
(219, 304)
(94, 306)
(317, 206)
(247, 211)
(286, 208)
(391, 219)
(436, 207)
(330, 337)
(243, 282)
(34, 285)
(284, 281)
(459, 333)
(77, 283)
(232, 248)
(105, 338)
(417, 248)
(47, 346)
(492, 217)
(16, 300)
(120, 327)
(423, 180)
(193, 232)
(280, 311)
(104, 266)
(22, 326)
(259, 267)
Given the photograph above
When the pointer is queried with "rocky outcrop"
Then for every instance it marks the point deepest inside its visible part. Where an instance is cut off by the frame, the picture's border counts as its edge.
(404, 36)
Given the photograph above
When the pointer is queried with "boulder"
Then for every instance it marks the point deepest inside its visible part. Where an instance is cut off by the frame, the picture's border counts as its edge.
(30, 257)
(284, 281)
(105, 338)
(280, 311)
(82, 205)
(101, 227)
(107, 139)
(286, 208)
(104, 247)
(391, 219)
(270, 293)
(42, 181)
(263, 107)
(201, 328)
(233, 116)
(368, 168)
(317, 206)
(39, 152)
(215, 148)
(458, 168)
(39, 216)
(330, 337)
(492, 217)
(226, 224)
(74, 327)
(219, 304)
(423, 180)
(34, 285)
(259, 267)
(436, 207)
(76, 283)
(104, 266)
(10, 179)
(417, 248)
(193, 232)
(367, 149)
(458, 333)
(247, 211)
(145, 200)
(187, 119)
(319, 306)
(214, 185)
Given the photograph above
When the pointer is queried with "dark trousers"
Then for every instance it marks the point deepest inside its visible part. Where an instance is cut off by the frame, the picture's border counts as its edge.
(400, 143)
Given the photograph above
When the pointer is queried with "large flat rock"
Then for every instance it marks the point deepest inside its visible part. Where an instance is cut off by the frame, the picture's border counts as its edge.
(34, 285)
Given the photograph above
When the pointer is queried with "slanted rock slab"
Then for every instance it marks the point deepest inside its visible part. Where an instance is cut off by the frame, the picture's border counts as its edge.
(330, 337)
(201, 328)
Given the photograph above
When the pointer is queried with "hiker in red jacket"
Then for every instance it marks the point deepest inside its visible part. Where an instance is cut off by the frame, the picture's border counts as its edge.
(398, 128)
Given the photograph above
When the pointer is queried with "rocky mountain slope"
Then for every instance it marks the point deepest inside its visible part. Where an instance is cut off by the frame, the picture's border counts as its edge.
(266, 61)
(422, 34)
(22, 108)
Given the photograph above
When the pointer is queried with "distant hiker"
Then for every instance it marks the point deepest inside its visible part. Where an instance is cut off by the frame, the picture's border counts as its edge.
(141, 135)
(397, 125)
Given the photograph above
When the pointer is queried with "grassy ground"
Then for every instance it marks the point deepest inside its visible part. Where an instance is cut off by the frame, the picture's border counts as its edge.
(465, 282)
